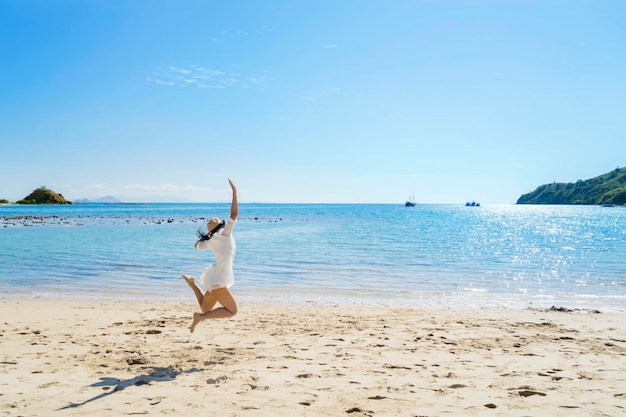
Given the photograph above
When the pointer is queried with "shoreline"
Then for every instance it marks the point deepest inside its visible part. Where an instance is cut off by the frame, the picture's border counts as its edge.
(111, 358)
(440, 256)
(173, 293)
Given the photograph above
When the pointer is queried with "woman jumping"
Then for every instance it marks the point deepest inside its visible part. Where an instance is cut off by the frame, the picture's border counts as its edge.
(217, 277)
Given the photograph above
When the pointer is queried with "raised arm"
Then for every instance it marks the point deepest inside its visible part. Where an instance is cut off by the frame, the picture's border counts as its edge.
(234, 207)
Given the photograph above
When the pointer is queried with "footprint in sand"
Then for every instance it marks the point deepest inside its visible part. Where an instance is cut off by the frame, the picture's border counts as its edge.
(251, 387)
(307, 375)
(526, 391)
(218, 380)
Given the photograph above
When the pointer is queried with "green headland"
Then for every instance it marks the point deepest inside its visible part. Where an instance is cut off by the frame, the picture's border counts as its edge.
(609, 188)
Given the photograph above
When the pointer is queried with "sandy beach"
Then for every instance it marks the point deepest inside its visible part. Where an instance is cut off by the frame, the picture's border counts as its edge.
(116, 358)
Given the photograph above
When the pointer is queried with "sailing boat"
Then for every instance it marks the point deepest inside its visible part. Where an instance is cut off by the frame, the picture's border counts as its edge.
(410, 202)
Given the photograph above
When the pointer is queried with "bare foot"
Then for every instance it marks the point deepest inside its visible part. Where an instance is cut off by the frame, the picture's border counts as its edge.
(196, 320)
(189, 280)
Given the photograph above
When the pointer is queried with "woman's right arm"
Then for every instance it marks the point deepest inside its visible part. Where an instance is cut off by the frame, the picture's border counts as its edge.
(234, 206)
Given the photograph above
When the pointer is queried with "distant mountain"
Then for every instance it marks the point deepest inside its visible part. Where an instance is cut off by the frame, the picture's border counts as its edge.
(107, 199)
(609, 188)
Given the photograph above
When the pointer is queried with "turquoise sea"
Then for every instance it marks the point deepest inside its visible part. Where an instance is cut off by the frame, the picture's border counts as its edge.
(450, 255)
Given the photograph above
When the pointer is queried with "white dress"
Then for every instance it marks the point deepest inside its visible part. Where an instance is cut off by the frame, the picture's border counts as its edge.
(222, 244)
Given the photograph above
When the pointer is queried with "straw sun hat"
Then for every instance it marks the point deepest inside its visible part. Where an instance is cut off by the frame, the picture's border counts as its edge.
(213, 223)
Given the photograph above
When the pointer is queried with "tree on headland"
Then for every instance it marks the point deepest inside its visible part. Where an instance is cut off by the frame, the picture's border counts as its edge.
(42, 195)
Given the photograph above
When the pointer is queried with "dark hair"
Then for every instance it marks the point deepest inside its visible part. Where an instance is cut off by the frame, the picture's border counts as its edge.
(206, 236)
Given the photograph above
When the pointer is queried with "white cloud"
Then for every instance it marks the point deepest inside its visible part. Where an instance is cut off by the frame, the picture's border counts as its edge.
(101, 186)
(204, 77)
(159, 82)
(165, 188)
(164, 192)
(323, 94)
(146, 192)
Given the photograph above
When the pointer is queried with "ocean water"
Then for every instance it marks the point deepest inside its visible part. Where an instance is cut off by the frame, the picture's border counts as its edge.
(450, 255)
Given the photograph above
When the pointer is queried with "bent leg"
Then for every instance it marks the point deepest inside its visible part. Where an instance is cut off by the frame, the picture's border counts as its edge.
(208, 302)
(196, 290)
(225, 298)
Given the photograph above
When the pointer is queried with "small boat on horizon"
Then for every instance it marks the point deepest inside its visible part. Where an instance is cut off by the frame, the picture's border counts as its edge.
(472, 204)
(410, 202)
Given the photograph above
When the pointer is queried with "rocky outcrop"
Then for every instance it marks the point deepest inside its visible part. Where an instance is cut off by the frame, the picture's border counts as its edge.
(43, 196)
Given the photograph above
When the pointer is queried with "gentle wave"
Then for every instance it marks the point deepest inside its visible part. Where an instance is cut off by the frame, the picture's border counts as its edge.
(489, 255)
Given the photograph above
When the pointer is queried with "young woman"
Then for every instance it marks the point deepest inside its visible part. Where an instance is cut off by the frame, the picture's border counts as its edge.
(217, 277)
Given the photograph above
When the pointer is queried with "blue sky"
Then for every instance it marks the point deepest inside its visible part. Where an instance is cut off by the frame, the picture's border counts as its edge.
(346, 101)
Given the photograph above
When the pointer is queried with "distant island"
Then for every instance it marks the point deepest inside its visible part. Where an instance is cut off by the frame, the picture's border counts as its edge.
(107, 199)
(42, 195)
(606, 189)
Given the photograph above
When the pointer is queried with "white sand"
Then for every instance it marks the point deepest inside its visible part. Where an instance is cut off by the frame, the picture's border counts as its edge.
(112, 358)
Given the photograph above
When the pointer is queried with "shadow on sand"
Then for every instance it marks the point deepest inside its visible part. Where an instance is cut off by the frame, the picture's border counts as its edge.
(154, 374)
